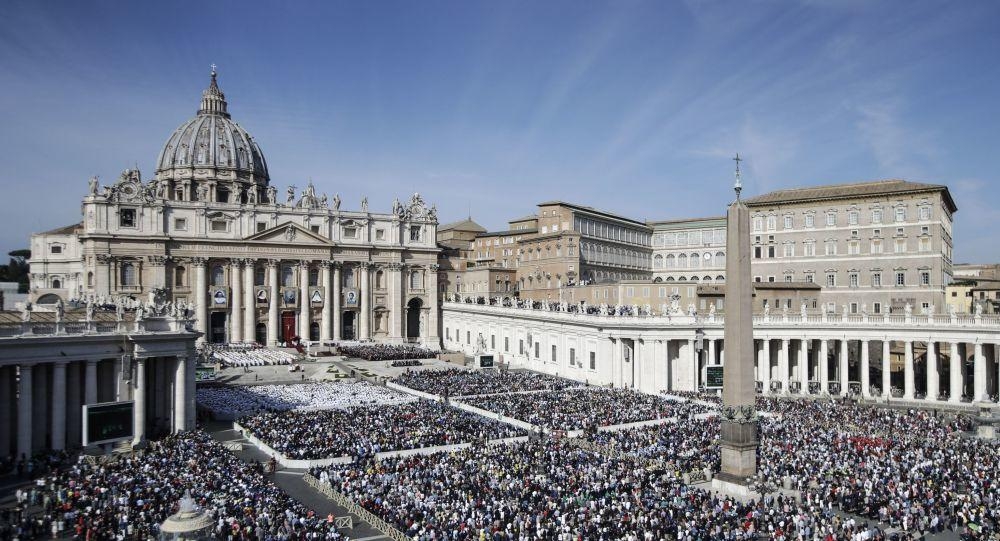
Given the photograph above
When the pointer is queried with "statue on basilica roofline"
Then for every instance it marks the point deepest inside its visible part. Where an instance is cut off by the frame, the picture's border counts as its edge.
(364, 204)
(272, 195)
(324, 202)
(92, 184)
(252, 195)
(290, 195)
(397, 207)
(336, 201)
(26, 312)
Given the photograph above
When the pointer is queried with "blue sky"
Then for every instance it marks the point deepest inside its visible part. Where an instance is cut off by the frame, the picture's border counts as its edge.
(633, 107)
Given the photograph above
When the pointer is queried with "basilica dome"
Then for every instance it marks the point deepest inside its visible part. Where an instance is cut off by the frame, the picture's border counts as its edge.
(211, 146)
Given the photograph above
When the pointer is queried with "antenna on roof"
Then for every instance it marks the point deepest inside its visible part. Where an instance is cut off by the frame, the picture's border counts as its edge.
(739, 182)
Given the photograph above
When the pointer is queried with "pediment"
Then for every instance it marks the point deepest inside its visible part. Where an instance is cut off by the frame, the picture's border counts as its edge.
(289, 233)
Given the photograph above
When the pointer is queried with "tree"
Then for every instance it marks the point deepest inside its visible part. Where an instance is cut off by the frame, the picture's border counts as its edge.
(17, 269)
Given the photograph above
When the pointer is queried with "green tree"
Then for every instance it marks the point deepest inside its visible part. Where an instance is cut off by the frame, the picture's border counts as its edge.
(17, 269)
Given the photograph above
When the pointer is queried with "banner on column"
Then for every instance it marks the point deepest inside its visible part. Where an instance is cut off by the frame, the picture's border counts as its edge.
(260, 294)
(289, 296)
(350, 296)
(219, 296)
(315, 296)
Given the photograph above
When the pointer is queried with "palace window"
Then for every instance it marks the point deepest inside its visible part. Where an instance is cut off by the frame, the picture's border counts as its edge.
(876, 308)
(925, 278)
(900, 246)
(593, 360)
(925, 213)
(900, 214)
(831, 219)
(350, 232)
(876, 246)
(925, 245)
(853, 279)
(219, 226)
(179, 277)
(788, 222)
(809, 248)
(810, 220)
(900, 278)
(876, 279)
(758, 224)
(55, 249)
(416, 280)
(180, 224)
(831, 280)
(877, 216)
(852, 217)
(415, 233)
(772, 223)
(126, 218)
(128, 274)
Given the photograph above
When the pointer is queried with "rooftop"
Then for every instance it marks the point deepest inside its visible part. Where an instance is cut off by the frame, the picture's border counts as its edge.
(64, 230)
(462, 225)
(592, 210)
(844, 191)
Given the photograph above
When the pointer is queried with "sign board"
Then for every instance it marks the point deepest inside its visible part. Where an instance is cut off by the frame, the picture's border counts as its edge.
(713, 377)
(486, 361)
(108, 422)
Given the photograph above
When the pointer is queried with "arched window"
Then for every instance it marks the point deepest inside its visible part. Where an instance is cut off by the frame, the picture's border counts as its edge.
(657, 261)
(694, 261)
(671, 261)
(259, 276)
(128, 274)
(682, 261)
(720, 259)
(694, 278)
(669, 279)
(706, 279)
(179, 277)
(348, 277)
(287, 276)
(708, 259)
(379, 280)
(416, 280)
(720, 278)
(56, 284)
(682, 279)
(314, 277)
(218, 276)
(90, 279)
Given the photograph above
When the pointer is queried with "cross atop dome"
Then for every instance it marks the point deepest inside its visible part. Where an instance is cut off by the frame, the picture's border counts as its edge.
(213, 101)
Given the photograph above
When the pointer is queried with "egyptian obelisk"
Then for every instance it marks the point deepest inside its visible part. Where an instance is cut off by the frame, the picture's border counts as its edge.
(739, 415)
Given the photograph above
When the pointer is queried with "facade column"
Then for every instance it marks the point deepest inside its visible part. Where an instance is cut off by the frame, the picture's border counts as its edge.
(844, 369)
(337, 295)
(766, 366)
(804, 366)
(866, 382)
(305, 311)
(200, 297)
(365, 316)
(90, 382)
(932, 371)
(908, 383)
(180, 393)
(886, 368)
(394, 274)
(7, 409)
(711, 352)
(955, 375)
(102, 281)
(236, 301)
(432, 336)
(272, 302)
(324, 277)
(24, 420)
(59, 405)
(824, 367)
(139, 395)
(979, 374)
(783, 365)
(692, 351)
(74, 399)
(249, 303)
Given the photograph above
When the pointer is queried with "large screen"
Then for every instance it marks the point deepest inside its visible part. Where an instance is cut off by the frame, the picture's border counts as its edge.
(108, 422)
(485, 361)
(713, 377)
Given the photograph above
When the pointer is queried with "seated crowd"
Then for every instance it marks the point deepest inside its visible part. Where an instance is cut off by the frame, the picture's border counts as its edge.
(550, 490)
(360, 432)
(371, 351)
(237, 401)
(456, 382)
(246, 356)
(130, 497)
(688, 444)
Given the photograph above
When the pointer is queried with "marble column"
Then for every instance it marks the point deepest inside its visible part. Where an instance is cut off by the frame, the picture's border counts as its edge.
(783, 365)
(7, 409)
(90, 382)
(200, 297)
(932, 371)
(843, 371)
(102, 285)
(249, 303)
(180, 390)
(866, 382)
(695, 369)
(886, 368)
(337, 295)
(804, 366)
(324, 326)
(393, 274)
(305, 311)
(273, 268)
(365, 315)
(711, 352)
(74, 401)
(24, 406)
(139, 395)
(979, 374)
(432, 336)
(824, 367)
(765, 347)
(59, 405)
(955, 382)
(908, 381)
(236, 301)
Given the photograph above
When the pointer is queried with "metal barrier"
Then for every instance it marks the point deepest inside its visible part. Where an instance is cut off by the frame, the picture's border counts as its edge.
(352, 507)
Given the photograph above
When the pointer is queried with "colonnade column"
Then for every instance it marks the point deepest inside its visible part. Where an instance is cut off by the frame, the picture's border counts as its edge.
(337, 294)
(693, 352)
(432, 335)
(249, 303)
(180, 388)
(908, 382)
(766, 374)
(90, 382)
(6, 409)
(304, 308)
(886, 368)
(804, 366)
(711, 352)
(955, 371)
(24, 405)
(364, 316)
(139, 421)
(843, 371)
(272, 302)
(783, 365)
(200, 297)
(824, 367)
(395, 276)
(235, 303)
(59, 405)
(932, 371)
(979, 374)
(866, 382)
(324, 326)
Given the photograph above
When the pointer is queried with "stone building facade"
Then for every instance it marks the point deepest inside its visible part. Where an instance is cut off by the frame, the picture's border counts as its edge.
(209, 230)
(689, 250)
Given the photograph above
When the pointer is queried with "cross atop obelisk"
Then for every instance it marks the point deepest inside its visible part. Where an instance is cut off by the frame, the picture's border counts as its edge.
(739, 181)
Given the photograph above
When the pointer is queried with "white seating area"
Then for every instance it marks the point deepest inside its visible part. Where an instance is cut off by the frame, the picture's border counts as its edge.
(237, 401)
(251, 356)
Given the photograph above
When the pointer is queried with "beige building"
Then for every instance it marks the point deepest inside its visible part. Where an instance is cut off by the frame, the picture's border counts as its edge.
(975, 285)
(872, 246)
(210, 231)
(689, 250)
(455, 241)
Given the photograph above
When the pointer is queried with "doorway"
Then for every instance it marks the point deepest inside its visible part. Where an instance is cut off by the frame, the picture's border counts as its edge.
(260, 333)
(287, 326)
(413, 309)
(217, 328)
(348, 325)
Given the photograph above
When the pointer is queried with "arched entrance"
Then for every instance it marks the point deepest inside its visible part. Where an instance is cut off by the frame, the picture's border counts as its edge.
(314, 331)
(287, 326)
(348, 325)
(48, 298)
(413, 309)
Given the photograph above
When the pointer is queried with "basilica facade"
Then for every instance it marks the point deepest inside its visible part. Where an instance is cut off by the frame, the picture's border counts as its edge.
(211, 232)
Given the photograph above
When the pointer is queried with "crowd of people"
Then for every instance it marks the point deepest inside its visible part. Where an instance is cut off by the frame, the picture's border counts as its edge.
(585, 408)
(130, 497)
(247, 355)
(457, 382)
(361, 432)
(372, 351)
(687, 445)
(238, 401)
(407, 363)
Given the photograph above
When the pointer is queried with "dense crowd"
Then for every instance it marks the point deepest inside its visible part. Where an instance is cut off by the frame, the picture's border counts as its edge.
(406, 363)
(456, 382)
(248, 356)
(360, 432)
(574, 409)
(687, 445)
(236, 401)
(130, 497)
(550, 490)
(371, 351)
